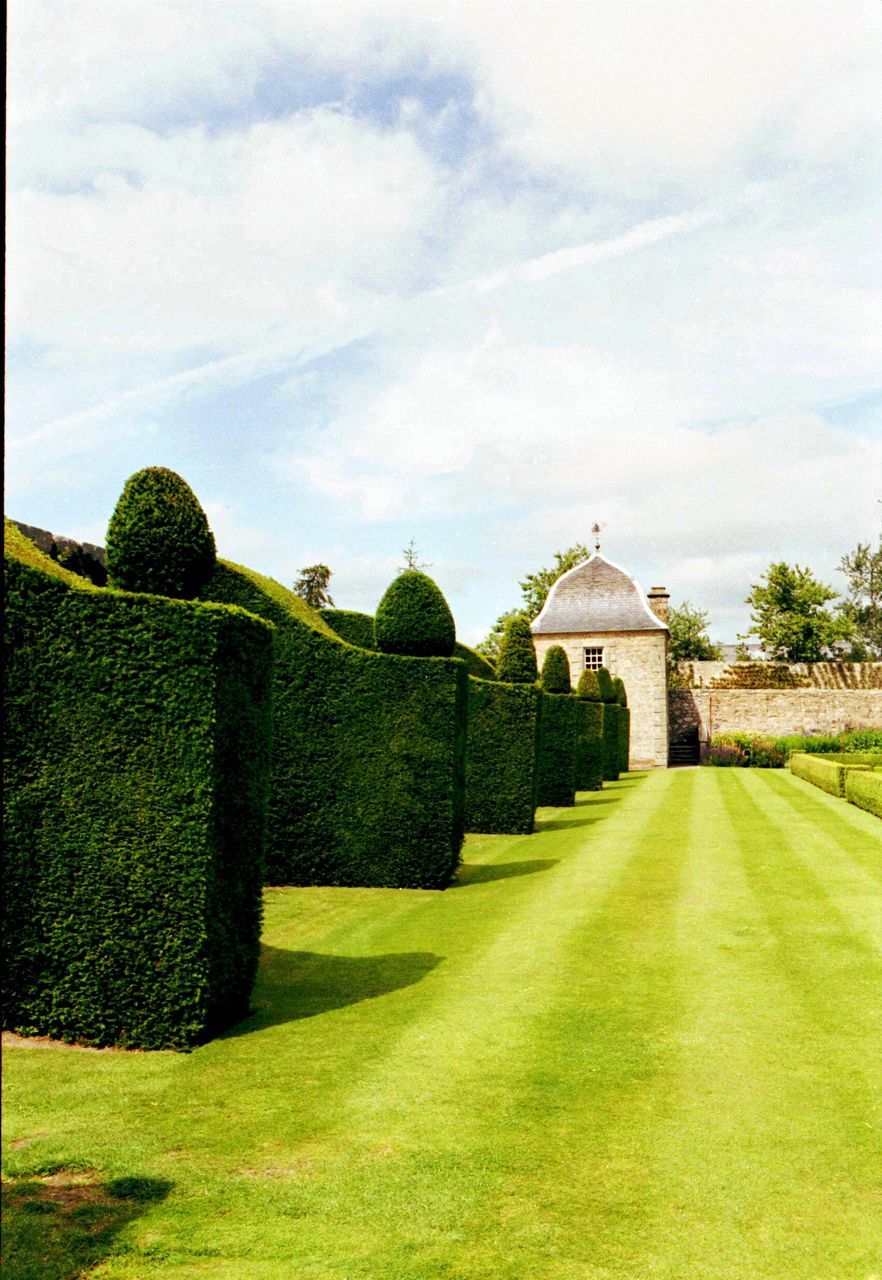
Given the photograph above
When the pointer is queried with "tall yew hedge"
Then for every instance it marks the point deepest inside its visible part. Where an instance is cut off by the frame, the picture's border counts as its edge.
(368, 773)
(556, 763)
(136, 762)
(501, 758)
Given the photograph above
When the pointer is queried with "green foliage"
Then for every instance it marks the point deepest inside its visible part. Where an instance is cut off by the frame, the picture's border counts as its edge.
(476, 664)
(789, 618)
(556, 671)
(556, 755)
(588, 763)
(158, 539)
(760, 675)
(864, 790)
(588, 687)
(689, 640)
(862, 608)
(612, 732)
(517, 653)
(312, 586)
(491, 646)
(355, 628)
(413, 618)
(751, 750)
(137, 742)
(501, 775)
(620, 691)
(605, 685)
(368, 752)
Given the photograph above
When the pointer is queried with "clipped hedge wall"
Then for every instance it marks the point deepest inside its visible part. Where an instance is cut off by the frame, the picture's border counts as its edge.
(501, 772)
(355, 628)
(556, 756)
(612, 718)
(136, 760)
(864, 790)
(829, 775)
(358, 629)
(588, 764)
(368, 774)
(624, 760)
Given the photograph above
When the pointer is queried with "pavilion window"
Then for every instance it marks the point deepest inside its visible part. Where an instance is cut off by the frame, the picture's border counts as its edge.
(593, 658)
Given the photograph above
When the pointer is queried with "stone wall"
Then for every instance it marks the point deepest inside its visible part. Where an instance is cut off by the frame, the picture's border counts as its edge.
(772, 711)
(819, 675)
(638, 657)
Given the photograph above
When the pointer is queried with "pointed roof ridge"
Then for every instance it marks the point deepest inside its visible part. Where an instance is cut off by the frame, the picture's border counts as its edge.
(596, 595)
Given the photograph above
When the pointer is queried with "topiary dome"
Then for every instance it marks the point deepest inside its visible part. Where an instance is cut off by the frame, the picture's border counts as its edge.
(158, 539)
(517, 654)
(605, 684)
(414, 618)
(556, 671)
(620, 691)
(588, 688)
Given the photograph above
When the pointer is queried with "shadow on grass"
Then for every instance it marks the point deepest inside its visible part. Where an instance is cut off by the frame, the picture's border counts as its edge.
(57, 1226)
(481, 873)
(591, 806)
(302, 984)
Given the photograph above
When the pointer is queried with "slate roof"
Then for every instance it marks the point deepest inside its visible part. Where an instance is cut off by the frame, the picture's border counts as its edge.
(596, 596)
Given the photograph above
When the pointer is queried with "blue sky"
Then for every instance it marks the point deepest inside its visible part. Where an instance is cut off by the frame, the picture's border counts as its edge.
(477, 275)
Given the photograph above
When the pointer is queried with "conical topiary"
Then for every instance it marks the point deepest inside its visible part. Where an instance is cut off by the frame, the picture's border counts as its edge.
(605, 684)
(620, 691)
(158, 539)
(517, 655)
(414, 618)
(556, 671)
(588, 688)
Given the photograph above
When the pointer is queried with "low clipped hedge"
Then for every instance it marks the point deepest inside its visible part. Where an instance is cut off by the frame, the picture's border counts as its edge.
(136, 761)
(358, 629)
(827, 774)
(501, 772)
(368, 774)
(588, 763)
(556, 755)
(864, 790)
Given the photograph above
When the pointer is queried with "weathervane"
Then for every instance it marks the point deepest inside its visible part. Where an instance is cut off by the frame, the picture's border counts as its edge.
(595, 529)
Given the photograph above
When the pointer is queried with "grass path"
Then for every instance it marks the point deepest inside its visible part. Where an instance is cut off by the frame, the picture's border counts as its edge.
(645, 1041)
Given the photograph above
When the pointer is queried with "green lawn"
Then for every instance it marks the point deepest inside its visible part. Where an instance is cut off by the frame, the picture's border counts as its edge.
(643, 1042)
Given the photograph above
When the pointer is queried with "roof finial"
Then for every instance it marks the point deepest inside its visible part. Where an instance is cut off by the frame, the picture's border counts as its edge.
(595, 529)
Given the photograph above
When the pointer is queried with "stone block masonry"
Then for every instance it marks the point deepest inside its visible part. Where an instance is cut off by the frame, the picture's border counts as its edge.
(772, 711)
(638, 657)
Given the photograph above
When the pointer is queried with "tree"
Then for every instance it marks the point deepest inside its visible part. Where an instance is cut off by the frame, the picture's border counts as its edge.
(414, 618)
(689, 640)
(517, 653)
(789, 618)
(411, 559)
(556, 671)
(862, 608)
(534, 591)
(312, 586)
(158, 539)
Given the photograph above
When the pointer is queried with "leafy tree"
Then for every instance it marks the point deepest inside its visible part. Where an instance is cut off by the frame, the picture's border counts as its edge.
(689, 640)
(534, 591)
(312, 586)
(789, 615)
(862, 608)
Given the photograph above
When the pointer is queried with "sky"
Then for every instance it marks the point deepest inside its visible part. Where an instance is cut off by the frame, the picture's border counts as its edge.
(476, 274)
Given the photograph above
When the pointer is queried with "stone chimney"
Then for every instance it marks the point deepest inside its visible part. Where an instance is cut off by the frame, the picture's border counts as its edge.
(658, 598)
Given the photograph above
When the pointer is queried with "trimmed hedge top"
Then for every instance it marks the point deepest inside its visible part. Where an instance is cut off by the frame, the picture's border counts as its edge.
(158, 539)
(588, 688)
(605, 685)
(413, 618)
(517, 653)
(620, 691)
(556, 671)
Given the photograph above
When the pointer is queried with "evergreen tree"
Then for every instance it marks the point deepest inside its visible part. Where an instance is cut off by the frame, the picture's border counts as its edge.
(556, 671)
(312, 586)
(517, 654)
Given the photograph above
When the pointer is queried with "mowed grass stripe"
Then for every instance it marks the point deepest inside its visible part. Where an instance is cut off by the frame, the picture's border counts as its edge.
(844, 826)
